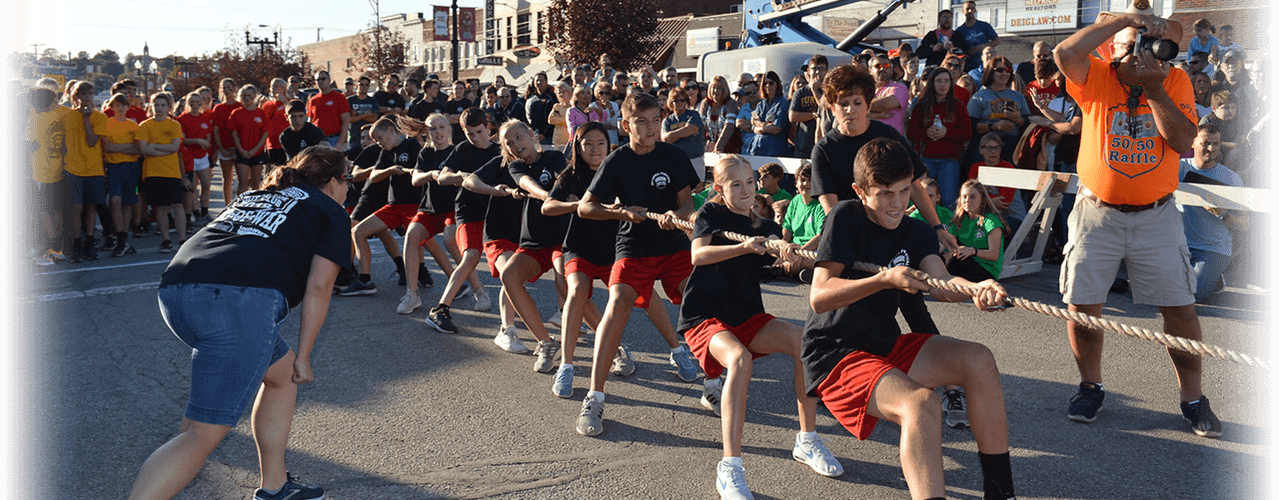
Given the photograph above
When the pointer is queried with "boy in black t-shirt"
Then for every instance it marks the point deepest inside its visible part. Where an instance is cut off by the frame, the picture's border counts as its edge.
(469, 211)
(395, 165)
(645, 176)
(301, 132)
(724, 321)
(857, 361)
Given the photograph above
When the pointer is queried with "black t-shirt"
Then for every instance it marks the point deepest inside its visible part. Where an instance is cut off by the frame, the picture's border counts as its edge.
(294, 142)
(727, 290)
(456, 107)
(870, 324)
(358, 107)
(652, 181)
(593, 240)
(266, 239)
(402, 191)
(387, 100)
(372, 194)
(466, 159)
(537, 230)
(436, 198)
(833, 159)
(502, 221)
(424, 108)
(805, 132)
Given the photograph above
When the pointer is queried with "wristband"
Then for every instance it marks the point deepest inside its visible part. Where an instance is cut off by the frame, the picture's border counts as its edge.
(939, 227)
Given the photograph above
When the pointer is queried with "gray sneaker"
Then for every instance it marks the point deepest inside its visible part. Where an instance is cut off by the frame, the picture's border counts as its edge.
(482, 301)
(955, 409)
(685, 364)
(712, 393)
(623, 365)
(591, 421)
(546, 352)
(563, 386)
(509, 341)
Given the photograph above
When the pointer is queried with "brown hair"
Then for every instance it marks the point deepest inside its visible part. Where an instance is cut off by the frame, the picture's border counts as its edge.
(881, 162)
(314, 166)
(986, 206)
(846, 80)
(474, 117)
(638, 103)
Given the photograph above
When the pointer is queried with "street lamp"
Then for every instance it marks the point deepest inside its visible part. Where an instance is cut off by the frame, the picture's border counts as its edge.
(251, 40)
(185, 63)
(146, 72)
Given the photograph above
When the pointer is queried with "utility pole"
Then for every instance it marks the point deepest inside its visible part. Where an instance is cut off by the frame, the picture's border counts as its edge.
(455, 41)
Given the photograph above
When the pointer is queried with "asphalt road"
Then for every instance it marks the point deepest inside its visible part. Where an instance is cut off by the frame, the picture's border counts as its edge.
(400, 411)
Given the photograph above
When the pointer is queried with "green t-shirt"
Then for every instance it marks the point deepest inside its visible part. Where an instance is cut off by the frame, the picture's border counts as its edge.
(970, 234)
(943, 214)
(804, 220)
(699, 199)
(782, 194)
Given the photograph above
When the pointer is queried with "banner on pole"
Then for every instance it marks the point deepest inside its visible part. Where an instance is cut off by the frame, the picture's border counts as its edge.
(441, 23)
(466, 24)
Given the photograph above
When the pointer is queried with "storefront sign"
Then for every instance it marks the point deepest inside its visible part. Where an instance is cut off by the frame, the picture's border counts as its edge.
(1033, 16)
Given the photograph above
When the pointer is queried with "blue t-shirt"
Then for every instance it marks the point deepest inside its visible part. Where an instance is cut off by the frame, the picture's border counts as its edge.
(1205, 231)
(1196, 46)
(978, 34)
(694, 145)
(744, 113)
(775, 112)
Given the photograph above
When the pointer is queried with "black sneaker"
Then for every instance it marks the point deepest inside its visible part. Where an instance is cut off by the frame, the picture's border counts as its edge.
(440, 319)
(343, 279)
(166, 246)
(1086, 403)
(108, 243)
(358, 287)
(1201, 418)
(424, 278)
(292, 490)
(465, 290)
(90, 250)
(123, 249)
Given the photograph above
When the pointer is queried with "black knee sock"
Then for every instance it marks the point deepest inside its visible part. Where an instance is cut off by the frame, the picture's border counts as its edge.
(399, 264)
(121, 239)
(998, 475)
(366, 277)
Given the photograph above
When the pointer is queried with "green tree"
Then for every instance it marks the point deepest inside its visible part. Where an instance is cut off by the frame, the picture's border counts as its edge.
(382, 49)
(581, 30)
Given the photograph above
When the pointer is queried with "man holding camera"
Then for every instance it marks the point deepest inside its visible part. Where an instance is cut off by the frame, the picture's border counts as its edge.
(1138, 119)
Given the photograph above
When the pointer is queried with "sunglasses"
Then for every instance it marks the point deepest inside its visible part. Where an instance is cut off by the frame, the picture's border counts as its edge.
(883, 66)
(685, 101)
(1003, 70)
(953, 66)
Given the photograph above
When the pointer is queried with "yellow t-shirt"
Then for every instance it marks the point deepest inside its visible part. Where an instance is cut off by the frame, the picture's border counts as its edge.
(45, 130)
(80, 159)
(120, 132)
(161, 133)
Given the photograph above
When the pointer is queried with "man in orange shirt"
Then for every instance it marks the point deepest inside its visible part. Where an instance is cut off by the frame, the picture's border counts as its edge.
(1138, 119)
(329, 110)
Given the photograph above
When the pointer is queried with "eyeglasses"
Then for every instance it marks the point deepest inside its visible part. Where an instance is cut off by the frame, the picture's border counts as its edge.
(603, 92)
(991, 147)
(1003, 70)
(953, 66)
(685, 101)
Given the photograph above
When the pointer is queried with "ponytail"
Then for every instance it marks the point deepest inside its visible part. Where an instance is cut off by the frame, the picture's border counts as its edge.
(314, 165)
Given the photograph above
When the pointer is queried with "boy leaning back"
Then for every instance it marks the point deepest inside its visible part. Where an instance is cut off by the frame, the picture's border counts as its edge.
(857, 361)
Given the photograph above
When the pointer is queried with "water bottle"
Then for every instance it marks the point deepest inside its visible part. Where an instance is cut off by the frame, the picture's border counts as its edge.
(937, 123)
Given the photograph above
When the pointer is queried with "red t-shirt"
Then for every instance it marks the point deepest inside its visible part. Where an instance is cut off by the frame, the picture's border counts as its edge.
(276, 122)
(1038, 93)
(325, 111)
(963, 95)
(196, 127)
(954, 116)
(250, 125)
(221, 113)
(995, 193)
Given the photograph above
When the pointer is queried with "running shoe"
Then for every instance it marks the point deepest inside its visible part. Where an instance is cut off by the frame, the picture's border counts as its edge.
(685, 364)
(108, 243)
(712, 394)
(409, 303)
(482, 301)
(166, 246)
(509, 341)
(465, 290)
(292, 490)
(424, 278)
(590, 422)
(122, 250)
(813, 453)
(90, 250)
(563, 386)
(441, 319)
(1201, 418)
(730, 482)
(623, 365)
(1087, 403)
(554, 320)
(358, 287)
(954, 408)
(546, 352)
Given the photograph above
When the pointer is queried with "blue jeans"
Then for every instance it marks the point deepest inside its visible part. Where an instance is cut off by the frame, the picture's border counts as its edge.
(233, 332)
(1208, 267)
(948, 179)
(333, 139)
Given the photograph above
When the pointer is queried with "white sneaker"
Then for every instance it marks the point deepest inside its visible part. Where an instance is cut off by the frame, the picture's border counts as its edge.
(509, 342)
(623, 365)
(409, 303)
(712, 393)
(482, 301)
(554, 320)
(954, 410)
(814, 454)
(730, 482)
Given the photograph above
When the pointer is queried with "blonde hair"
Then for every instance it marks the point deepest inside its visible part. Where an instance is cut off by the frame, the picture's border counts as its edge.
(720, 177)
(507, 156)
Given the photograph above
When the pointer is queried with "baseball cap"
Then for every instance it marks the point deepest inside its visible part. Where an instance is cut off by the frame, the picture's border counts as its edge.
(958, 52)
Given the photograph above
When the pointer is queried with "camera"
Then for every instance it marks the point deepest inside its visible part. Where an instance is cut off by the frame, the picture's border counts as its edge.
(1162, 49)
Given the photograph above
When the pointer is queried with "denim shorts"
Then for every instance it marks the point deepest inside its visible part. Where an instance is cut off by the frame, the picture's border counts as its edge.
(123, 180)
(234, 335)
(86, 190)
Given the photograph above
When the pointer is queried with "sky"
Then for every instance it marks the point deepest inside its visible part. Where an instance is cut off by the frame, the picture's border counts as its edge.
(187, 28)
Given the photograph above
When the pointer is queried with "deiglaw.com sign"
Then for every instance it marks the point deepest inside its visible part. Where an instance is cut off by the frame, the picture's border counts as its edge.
(1029, 16)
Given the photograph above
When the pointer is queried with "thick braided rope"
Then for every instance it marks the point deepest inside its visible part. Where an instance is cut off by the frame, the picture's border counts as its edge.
(1174, 342)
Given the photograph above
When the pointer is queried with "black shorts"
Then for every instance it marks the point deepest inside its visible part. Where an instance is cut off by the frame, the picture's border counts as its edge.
(277, 156)
(259, 159)
(162, 191)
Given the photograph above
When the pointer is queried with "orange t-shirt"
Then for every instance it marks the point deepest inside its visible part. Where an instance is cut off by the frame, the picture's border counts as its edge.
(120, 132)
(161, 133)
(1121, 160)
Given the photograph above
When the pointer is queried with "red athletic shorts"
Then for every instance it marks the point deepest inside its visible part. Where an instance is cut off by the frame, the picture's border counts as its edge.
(846, 390)
(396, 216)
(699, 339)
(641, 272)
(545, 258)
(592, 272)
(470, 236)
(434, 223)
(492, 249)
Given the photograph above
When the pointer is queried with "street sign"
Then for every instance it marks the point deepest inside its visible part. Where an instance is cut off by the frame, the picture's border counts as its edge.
(527, 52)
(490, 61)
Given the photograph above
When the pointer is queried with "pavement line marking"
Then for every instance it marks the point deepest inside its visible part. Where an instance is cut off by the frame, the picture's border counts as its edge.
(101, 268)
(95, 292)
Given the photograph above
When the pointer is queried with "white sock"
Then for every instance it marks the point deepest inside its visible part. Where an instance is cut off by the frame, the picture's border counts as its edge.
(598, 395)
(679, 349)
(566, 366)
(808, 436)
(734, 461)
